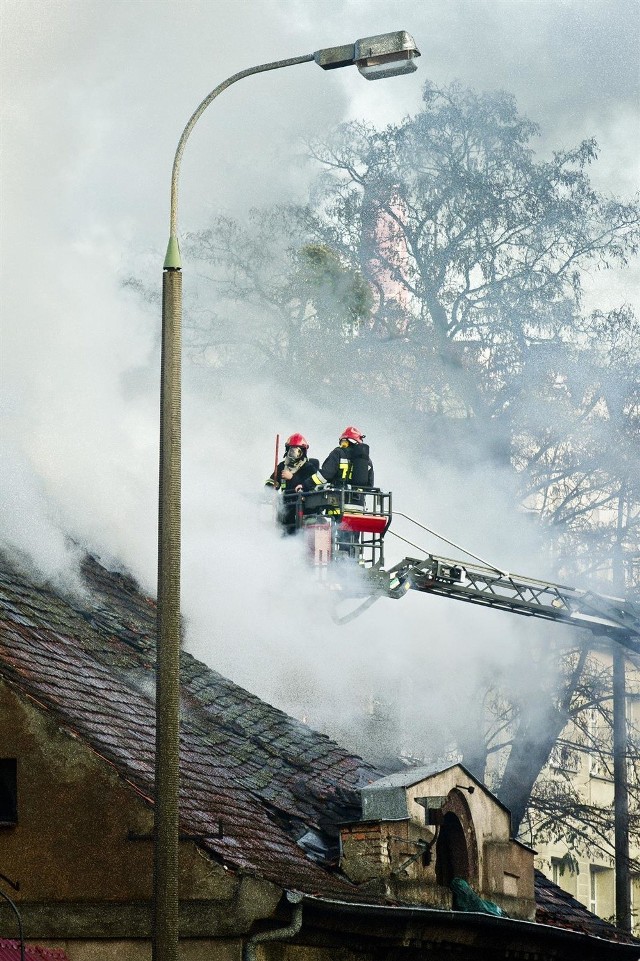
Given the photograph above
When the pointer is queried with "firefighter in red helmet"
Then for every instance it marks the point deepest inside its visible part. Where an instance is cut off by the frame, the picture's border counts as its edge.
(290, 473)
(348, 464)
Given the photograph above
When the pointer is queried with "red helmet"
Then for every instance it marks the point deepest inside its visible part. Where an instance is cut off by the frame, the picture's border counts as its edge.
(297, 440)
(352, 434)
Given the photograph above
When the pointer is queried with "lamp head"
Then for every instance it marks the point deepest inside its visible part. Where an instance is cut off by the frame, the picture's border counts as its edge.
(385, 55)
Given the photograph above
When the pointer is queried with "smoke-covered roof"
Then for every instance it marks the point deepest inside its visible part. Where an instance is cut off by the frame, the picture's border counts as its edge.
(261, 791)
(249, 773)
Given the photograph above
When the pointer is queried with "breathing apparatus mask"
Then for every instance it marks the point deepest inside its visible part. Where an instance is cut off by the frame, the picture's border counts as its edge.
(292, 456)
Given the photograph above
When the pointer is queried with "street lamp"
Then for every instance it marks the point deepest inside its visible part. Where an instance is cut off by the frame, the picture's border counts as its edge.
(386, 55)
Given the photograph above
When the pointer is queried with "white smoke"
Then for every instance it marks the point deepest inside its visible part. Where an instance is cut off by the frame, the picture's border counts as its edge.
(95, 97)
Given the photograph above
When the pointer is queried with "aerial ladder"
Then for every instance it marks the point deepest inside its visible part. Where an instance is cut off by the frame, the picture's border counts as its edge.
(614, 617)
(343, 525)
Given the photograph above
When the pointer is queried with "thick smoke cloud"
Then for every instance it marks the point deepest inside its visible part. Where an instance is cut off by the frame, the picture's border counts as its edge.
(96, 94)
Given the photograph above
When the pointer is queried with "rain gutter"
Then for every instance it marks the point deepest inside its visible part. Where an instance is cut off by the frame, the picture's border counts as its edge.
(476, 919)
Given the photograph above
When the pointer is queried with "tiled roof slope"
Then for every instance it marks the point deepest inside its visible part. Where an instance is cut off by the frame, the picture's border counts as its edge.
(557, 907)
(289, 765)
(88, 662)
(253, 780)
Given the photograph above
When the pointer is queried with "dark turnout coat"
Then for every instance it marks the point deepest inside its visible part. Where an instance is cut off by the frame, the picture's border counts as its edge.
(344, 467)
(287, 512)
(301, 474)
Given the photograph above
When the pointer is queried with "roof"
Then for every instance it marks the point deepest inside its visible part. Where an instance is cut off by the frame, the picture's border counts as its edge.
(10, 951)
(260, 791)
(88, 660)
(408, 777)
(556, 907)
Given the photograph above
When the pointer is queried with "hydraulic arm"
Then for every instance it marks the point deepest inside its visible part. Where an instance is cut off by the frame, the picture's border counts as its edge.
(345, 523)
(611, 616)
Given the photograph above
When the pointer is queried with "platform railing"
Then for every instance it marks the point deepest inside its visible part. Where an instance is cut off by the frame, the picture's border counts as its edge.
(359, 519)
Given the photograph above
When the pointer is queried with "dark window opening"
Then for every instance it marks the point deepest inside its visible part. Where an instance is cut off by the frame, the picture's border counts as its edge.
(8, 791)
(452, 857)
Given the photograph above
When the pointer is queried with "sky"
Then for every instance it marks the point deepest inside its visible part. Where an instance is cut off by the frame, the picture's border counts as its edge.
(94, 96)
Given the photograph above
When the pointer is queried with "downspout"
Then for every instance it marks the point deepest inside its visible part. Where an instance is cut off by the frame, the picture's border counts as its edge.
(276, 934)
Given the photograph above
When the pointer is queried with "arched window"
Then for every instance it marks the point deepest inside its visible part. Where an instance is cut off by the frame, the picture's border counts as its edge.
(452, 856)
(456, 845)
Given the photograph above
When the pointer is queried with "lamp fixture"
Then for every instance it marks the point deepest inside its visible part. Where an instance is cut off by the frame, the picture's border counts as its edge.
(377, 57)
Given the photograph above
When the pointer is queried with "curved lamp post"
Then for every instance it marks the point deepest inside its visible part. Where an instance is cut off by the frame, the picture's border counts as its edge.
(386, 55)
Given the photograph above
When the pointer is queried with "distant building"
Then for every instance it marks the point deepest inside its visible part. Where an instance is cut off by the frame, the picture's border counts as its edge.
(388, 263)
(583, 759)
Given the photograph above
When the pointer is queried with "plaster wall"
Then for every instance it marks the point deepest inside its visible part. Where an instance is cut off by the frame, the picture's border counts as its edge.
(140, 950)
(82, 851)
(489, 818)
(75, 819)
(491, 823)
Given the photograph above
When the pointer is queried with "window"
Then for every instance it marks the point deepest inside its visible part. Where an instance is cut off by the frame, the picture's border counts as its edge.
(632, 713)
(602, 891)
(8, 792)
(600, 757)
(564, 873)
(593, 890)
(598, 767)
(635, 903)
(564, 758)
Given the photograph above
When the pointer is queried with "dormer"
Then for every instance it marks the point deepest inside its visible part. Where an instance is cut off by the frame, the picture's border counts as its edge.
(423, 827)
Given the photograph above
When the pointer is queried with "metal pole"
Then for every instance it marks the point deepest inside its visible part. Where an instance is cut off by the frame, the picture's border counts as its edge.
(165, 921)
(167, 765)
(165, 878)
(620, 747)
(173, 253)
(621, 791)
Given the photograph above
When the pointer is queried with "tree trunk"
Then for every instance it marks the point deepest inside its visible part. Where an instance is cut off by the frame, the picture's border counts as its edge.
(542, 720)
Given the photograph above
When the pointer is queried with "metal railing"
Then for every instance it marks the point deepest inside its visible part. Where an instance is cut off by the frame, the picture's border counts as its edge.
(358, 518)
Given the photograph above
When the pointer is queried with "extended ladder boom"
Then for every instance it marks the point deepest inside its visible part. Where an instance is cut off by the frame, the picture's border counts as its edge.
(612, 616)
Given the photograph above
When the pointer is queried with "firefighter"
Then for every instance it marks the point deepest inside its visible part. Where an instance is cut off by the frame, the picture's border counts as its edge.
(348, 464)
(290, 473)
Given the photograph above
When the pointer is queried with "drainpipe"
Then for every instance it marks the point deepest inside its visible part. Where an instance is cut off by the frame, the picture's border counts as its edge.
(276, 934)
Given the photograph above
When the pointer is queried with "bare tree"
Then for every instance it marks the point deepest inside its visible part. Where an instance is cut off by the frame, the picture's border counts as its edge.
(441, 262)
